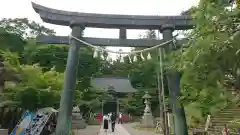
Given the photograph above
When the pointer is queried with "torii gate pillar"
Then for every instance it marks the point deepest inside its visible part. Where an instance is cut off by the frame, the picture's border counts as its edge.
(67, 95)
(173, 77)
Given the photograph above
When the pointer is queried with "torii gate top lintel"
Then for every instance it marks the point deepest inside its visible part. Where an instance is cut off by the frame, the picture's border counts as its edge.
(65, 18)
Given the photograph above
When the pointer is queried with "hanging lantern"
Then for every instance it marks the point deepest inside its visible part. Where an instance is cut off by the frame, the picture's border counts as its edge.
(135, 58)
(142, 56)
(149, 56)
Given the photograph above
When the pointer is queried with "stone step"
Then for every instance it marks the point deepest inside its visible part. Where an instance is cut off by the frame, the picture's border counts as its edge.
(225, 119)
(231, 117)
(214, 129)
(218, 126)
(231, 108)
(227, 115)
(220, 122)
(232, 112)
(229, 111)
(220, 119)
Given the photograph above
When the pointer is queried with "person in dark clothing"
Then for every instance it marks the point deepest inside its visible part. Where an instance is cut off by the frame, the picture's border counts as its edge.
(113, 121)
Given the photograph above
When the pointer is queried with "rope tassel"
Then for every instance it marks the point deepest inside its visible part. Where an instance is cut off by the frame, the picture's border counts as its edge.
(122, 59)
(135, 58)
(149, 56)
(129, 57)
(95, 54)
(102, 55)
(142, 57)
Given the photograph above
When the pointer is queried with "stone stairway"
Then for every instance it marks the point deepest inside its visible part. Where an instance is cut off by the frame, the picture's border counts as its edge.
(225, 116)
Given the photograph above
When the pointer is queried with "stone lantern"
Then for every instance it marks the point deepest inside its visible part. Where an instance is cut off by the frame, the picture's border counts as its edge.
(76, 112)
(77, 121)
(147, 119)
(147, 98)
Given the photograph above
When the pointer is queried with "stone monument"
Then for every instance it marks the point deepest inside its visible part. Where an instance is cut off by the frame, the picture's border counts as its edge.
(77, 121)
(147, 119)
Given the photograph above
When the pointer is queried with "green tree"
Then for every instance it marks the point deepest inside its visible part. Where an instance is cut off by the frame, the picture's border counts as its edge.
(24, 28)
(209, 63)
(36, 89)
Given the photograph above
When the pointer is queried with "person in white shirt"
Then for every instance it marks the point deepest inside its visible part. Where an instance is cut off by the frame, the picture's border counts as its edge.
(110, 114)
(105, 122)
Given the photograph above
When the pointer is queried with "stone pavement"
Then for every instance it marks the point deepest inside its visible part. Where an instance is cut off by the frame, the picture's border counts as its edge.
(119, 130)
(133, 131)
(90, 130)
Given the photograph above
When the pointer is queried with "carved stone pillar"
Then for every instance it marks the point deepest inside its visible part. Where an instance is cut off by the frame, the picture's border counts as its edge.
(67, 95)
(173, 78)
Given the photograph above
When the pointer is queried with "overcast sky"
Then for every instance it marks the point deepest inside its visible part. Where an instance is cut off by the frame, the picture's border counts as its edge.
(23, 8)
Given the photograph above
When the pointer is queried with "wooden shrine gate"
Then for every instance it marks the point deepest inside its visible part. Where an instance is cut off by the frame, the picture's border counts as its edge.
(79, 21)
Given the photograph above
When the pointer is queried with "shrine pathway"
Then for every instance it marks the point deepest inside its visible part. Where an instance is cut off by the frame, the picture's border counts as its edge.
(133, 131)
(119, 130)
(90, 130)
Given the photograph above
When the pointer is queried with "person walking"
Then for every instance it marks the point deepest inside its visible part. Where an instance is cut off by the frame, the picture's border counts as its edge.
(113, 121)
(129, 117)
(105, 123)
(120, 118)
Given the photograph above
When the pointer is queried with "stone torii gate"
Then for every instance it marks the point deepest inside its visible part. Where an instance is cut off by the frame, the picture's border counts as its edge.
(78, 21)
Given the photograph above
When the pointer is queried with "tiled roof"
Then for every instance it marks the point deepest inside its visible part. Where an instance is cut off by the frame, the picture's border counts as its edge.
(119, 84)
